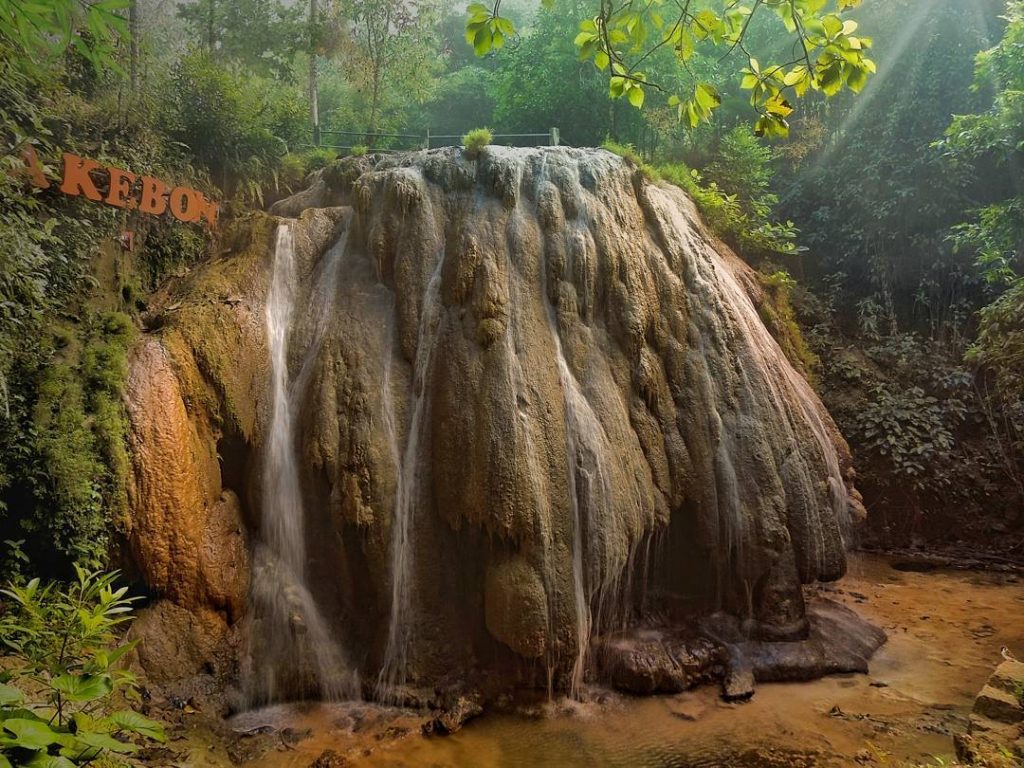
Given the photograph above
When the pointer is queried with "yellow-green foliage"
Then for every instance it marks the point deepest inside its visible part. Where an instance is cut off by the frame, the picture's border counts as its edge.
(752, 234)
(67, 457)
(476, 140)
(628, 153)
(777, 313)
(359, 150)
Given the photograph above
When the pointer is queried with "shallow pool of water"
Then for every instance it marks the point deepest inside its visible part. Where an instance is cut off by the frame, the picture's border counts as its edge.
(945, 630)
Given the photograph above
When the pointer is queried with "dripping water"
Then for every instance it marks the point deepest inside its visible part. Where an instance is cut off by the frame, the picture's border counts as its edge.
(394, 671)
(293, 653)
(589, 486)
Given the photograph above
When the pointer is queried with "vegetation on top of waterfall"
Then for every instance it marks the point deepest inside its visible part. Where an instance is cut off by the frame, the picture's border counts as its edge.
(824, 52)
(475, 141)
(64, 694)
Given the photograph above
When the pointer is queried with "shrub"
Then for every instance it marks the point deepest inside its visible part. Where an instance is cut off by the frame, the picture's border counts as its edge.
(751, 232)
(476, 140)
(238, 126)
(292, 172)
(57, 703)
(319, 158)
(628, 153)
(359, 150)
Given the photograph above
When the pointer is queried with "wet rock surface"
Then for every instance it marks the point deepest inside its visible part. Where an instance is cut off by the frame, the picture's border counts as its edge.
(646, 661)
(997, 718)
(543, 393)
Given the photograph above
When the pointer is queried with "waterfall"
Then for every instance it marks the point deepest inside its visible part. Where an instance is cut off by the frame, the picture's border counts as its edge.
(394, 671)
(586, 459)
(293, 652)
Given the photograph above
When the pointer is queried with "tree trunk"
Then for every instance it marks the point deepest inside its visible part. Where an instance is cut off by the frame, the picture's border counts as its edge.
(133, 46)
(314, 98)
(211, 34)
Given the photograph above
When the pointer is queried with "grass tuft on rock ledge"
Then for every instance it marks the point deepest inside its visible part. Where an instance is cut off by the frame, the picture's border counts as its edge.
(476, 140)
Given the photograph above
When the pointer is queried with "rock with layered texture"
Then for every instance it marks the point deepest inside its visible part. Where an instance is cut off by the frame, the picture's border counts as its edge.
(539, 366)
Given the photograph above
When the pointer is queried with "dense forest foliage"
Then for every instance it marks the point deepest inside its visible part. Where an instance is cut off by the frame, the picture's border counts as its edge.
(889, 224)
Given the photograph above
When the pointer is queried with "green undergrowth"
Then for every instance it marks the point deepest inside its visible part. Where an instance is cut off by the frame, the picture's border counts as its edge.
(778, 315)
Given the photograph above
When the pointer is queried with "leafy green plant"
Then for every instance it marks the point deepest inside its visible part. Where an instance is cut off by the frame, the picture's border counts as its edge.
(57, 702)
(628, 153)
(620, 39)
(909, 428)
(752, 232)
(359, 150)
(475, 141)
(319, 158)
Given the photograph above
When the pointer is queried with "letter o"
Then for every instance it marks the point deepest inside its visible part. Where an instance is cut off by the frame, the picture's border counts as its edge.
(186, 204)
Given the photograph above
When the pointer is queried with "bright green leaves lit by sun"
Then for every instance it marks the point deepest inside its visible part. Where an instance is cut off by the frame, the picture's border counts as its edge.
(47, 28)
(822, 51)
(485, 30)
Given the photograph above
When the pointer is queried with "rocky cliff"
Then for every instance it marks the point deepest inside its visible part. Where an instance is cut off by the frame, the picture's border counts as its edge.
(535, 405)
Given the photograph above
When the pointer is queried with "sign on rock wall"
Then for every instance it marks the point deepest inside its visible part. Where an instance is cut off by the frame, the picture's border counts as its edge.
(123, 189)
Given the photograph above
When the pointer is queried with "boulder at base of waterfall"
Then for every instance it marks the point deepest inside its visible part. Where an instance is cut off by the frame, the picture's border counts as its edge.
(647, 660)
(453, 715)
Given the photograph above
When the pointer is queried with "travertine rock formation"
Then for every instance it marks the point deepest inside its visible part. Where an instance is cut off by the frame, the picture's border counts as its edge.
(542, 406)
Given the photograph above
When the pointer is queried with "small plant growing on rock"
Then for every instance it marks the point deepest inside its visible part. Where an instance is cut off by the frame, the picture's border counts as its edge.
(60, 678)
(476, 140)
(628, 153)
(359, 150)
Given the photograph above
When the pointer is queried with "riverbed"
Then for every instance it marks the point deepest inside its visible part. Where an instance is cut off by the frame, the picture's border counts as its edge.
(945, 630)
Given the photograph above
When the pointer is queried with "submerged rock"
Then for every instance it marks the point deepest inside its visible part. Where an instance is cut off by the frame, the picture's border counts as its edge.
(542, 407)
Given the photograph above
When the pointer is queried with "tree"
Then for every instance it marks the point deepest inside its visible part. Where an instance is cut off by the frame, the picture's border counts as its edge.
(991, 143)
(262, 36)
(93, 29)
(621, 40)
(394, 51)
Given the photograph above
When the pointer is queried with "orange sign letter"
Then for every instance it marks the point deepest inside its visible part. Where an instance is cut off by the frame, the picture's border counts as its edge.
(76, 177)
(186, 204)
(154, 196)
(120, 188)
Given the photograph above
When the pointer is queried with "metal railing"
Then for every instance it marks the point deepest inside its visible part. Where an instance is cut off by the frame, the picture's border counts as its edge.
(419, 141)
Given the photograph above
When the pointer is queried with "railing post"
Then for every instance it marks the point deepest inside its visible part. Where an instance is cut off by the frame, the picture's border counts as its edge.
(554, 137)
(427, 142)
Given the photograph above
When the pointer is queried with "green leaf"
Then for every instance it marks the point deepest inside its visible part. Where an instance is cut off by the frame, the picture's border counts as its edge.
(10, 695)
(107, 742)
(42, 760)
(636, 96)
(132, 721)
(32, 734)
(83, 687)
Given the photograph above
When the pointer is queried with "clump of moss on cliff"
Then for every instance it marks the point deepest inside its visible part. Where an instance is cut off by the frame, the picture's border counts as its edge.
(776, 311)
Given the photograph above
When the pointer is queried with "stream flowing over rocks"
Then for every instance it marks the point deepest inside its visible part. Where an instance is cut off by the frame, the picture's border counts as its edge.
(536, 429)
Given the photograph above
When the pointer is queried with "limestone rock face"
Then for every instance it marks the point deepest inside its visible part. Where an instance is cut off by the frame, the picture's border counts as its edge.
(542, 402)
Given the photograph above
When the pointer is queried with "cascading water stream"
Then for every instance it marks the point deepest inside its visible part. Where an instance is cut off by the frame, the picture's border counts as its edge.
(713, 280)
(586, 458)
(293, 653)
(394, 671)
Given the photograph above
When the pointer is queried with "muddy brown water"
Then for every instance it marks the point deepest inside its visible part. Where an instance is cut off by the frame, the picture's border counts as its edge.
(945, 632)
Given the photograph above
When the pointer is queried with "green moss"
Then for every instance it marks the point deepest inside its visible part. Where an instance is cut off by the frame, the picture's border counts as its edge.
(628, 153)
(776, 311)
